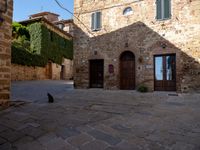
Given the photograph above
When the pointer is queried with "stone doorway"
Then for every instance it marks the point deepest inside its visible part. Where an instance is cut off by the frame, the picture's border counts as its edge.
(127, 71)
(96, 73)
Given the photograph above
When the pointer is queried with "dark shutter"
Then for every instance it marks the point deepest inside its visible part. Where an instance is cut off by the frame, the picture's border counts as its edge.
(93, 21)
(158, 9)
(167, 9)
(98, 20)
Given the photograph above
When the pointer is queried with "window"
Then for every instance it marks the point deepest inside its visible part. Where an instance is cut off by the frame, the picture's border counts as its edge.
(163, 9)
(96, 21)
(127, 11)
(61, 26)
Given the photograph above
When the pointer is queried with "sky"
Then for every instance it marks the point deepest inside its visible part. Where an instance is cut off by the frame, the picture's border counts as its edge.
(24, 8)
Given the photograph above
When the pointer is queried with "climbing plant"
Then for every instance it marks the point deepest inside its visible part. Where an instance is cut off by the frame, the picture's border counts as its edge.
(44, 44)
(23, 57)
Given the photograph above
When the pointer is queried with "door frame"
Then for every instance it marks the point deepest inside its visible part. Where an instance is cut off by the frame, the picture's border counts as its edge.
(134, 59)
(89, 74)
(154, 69)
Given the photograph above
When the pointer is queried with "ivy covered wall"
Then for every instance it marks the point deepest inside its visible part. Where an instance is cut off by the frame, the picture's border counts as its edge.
(55, 46)
(45, 45)
(35, 31)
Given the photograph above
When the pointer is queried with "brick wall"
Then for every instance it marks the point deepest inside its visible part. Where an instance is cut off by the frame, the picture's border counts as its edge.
(5, 53)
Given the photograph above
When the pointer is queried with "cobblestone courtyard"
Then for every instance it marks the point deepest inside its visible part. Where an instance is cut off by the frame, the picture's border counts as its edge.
(96, 119)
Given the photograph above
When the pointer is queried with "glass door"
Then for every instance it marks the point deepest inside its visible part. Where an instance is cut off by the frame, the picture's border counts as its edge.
(165, 73)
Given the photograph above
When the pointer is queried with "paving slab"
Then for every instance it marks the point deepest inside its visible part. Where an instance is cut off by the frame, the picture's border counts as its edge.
(2, 141)
(67, 132)
(11, 135)
(104, 137)
(33, 145)
(80, 140)
(99, 119)
(33, 132)
(6, 146)
(94, 145)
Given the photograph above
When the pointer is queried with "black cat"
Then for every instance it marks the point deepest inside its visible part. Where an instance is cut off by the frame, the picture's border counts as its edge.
(50, 97)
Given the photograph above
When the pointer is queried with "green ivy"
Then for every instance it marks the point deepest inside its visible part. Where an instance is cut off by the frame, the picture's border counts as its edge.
(19, 31)
(55, 46)
(22, 57)
(35, 31)
(44, 45)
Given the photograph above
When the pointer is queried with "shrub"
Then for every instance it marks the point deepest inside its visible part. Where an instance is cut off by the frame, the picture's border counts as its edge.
(142, 89)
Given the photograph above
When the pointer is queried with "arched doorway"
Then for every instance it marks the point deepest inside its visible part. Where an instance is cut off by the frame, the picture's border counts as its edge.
(127, 71)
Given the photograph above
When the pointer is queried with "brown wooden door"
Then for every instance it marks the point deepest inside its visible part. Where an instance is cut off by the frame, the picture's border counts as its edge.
(62, 73)
(127, 71)
(165, 73)
(96, 73)
(49, 70)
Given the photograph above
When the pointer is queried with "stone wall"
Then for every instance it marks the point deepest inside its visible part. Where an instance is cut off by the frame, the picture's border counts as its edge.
(5, 52)
(141, 34)
(21, 73)
(68, 69)
(56, 69)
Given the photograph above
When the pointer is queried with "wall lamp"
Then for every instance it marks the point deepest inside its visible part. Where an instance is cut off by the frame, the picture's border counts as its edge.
(163, 45)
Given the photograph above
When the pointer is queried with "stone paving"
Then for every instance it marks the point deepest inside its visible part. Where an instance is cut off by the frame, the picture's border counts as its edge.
(33, 91)
(96, 119)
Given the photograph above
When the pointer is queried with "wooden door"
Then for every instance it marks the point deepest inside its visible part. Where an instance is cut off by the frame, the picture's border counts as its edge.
(96, 73)
(49, 70)
(62, 73)
(165, 73)
(127, 71)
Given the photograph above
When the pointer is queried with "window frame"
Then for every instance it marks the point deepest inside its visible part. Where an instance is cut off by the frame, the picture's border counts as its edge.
(163, 11)
(94, 24)
(61, 26)
(128, 13)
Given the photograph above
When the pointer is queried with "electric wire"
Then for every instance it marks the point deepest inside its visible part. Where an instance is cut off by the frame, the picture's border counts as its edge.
(61, 6)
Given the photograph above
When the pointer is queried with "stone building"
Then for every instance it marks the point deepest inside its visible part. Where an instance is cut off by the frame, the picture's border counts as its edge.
(51, 17)
(66, 25)
(6, 10)
(127, 44)
(48, 39)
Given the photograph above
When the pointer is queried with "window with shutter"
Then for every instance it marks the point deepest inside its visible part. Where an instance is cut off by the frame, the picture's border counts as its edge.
(93, 21)
(163, 9)
(96, 21)
(167, 13)
(158, 9)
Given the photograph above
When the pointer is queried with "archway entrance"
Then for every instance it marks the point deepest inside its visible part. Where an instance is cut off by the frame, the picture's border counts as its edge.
(127, 71)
